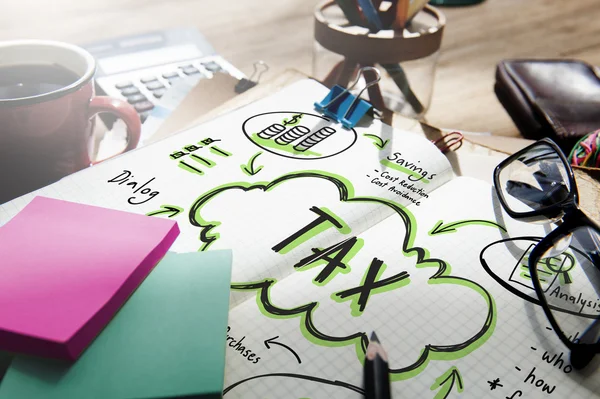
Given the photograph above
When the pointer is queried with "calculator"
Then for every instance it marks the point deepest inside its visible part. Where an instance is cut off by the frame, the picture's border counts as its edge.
(140, 68)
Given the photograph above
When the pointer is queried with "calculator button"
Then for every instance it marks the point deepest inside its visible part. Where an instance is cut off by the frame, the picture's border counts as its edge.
(190, 70)
(170, 75)
(122, 85)
(144, 116)
(155, 85)
(136, 98)
(143, 106)
(159, 93)
(148, 79)
(212, 66)
(129, 91)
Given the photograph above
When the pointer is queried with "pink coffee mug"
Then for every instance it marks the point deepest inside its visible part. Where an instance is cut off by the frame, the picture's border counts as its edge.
(46, 128)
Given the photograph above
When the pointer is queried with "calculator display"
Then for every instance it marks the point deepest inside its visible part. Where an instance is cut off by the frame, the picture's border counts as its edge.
(148, 58)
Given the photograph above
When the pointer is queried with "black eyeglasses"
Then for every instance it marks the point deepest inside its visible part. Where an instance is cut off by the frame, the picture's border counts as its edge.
(537, 184)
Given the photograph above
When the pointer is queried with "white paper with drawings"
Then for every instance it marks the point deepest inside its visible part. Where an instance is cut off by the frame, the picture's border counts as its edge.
(224, 174)
(327, 249)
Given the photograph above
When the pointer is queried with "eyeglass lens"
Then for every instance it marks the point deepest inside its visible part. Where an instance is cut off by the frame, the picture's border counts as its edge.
(535, 180)
(569, 275)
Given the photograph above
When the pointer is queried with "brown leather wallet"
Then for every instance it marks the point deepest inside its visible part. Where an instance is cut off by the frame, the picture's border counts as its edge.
(559, 99)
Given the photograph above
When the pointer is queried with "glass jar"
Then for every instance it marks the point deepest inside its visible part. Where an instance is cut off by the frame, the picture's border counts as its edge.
(406, 60)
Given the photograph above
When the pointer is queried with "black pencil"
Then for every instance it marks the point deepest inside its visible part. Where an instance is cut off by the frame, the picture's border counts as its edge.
(377, 375)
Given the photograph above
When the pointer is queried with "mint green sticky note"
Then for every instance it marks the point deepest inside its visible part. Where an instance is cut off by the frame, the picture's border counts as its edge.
(167, 341)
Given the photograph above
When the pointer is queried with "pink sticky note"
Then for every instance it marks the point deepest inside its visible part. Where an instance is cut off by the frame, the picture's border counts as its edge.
(66, 269)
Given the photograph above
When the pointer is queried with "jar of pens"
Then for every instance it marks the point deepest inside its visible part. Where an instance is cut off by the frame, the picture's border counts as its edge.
(401, 38)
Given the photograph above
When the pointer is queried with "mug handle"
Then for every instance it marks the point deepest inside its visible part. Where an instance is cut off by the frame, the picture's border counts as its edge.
(123, 110)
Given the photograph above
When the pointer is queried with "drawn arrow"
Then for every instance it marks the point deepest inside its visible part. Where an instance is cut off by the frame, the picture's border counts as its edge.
(249, 168)
(446, 381)
(377, 141)
(167, 209)
(440, 228)
(272, 341)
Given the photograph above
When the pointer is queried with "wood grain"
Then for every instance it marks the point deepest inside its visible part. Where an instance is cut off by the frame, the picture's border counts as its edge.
(280, 33)
(588, 183)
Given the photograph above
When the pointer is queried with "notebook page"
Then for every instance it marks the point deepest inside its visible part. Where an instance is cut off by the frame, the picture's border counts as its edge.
(252, 179)
(449, 327)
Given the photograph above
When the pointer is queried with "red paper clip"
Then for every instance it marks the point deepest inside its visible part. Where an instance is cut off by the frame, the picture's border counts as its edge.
(450, 142)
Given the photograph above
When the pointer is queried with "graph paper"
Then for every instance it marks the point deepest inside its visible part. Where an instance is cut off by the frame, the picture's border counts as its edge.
(337, 233)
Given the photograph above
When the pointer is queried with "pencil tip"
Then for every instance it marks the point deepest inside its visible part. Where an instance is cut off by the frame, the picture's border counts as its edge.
(374, 337)
(375, 349)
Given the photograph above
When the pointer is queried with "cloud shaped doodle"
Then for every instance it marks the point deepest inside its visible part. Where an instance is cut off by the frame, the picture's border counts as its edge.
(425, 275)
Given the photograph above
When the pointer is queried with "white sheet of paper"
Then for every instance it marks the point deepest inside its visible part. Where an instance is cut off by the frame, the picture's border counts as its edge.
(311, 227)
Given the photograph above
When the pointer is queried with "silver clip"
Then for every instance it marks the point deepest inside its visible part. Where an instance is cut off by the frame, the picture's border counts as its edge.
(258, 73)
(245, 84)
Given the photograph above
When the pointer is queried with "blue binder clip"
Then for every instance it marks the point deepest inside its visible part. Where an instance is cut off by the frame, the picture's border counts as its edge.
(342, 106)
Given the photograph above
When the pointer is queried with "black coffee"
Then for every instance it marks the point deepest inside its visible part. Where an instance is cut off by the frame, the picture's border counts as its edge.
(18, 81)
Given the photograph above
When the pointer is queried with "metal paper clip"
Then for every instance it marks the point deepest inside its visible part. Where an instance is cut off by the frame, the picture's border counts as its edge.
(245, 84)
(344, 107)
(450, 142)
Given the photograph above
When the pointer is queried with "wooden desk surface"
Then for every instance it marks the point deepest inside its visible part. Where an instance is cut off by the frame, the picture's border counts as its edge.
(280, 33)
